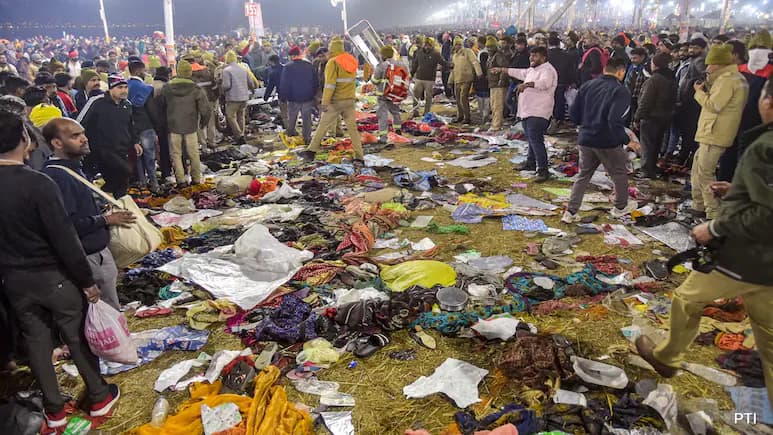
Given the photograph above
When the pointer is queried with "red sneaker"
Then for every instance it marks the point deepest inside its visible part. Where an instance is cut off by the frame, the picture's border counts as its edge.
(55, 420)
(104, 407)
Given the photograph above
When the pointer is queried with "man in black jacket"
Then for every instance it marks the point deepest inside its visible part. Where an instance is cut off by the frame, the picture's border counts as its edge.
(69, 143)
(424, 72)
(45, 275)
(600, 110)
(520, 60)
(107, 119)
(653, 114)
(566, 67)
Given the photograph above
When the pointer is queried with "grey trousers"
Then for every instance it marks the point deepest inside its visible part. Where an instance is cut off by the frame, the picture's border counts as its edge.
(614, 160)
(45, 301)
(105, 275)
(422, 89)
(385, 108)
(305, 109)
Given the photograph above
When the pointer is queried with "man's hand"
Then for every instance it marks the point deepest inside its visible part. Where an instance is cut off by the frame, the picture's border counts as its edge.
(702, 234)
(119, 218)
(92, 294)
(495, 70)
(138, 149)
(699, 86)
(523, 86)
(719, 188)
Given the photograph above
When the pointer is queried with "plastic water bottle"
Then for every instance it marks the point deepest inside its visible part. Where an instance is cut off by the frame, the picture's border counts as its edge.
(160, 410)
(711, 374)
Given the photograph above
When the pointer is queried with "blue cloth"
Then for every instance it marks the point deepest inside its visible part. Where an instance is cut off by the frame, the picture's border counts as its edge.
(139, 94)
(520, 223)
(601, 109)
(535, 128)
(298, 83)
(273, 80)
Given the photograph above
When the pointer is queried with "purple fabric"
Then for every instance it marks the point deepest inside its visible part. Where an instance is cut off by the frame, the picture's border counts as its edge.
(292, 322)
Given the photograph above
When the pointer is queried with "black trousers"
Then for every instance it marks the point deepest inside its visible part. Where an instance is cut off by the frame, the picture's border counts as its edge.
(688, 125)
(444, 75)
(10, 337)
(115, 170)
(652, 132)
(164, 160)
(559, 108)
(45, 300)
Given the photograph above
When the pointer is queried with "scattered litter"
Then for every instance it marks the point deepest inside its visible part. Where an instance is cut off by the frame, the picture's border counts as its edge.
(456, 379)
(338, 423)
(520, 223)
(421, 221)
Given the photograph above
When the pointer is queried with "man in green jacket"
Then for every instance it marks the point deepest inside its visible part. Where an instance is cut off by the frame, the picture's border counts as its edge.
(187, 109)
(722, 99)
(744, 260)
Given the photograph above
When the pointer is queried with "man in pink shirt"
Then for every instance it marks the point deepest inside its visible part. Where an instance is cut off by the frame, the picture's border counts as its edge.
(535, 107)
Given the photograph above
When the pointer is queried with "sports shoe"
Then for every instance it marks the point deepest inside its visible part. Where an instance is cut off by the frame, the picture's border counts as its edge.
(570, 218)
(542, 176)
(55, 420)
(618, 213)
(526, 166)
(104, 407)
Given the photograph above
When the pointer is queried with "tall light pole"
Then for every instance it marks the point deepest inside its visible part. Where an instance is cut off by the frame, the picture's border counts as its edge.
(171, 55)
(345, 19)
(104, 20)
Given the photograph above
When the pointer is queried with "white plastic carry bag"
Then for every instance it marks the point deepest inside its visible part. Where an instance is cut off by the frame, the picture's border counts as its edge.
(108, 336)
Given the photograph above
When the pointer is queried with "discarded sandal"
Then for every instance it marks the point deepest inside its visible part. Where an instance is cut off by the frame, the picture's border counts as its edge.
(423, 338)
(368, 347)
(266, 356)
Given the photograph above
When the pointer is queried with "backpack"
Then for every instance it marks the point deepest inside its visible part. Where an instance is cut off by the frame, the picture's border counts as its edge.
(397, 86)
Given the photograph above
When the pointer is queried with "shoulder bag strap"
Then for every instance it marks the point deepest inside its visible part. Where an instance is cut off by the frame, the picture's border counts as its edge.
(88, 184)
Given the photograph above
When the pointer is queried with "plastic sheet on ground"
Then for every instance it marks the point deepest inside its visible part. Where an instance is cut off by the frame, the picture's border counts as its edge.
(425, 273)
(521, 200)
(338, 423)
(346, 296)
(258, 265)
(570, 398)
(220, 418)
(180, 205)
(492, 140)
(663, 400)
(502, 327)
(672, 234)
(619, 235)
(315, 386)
(495, 263)
(474, 161)
(249, 216)
(184, 221)
(561, 192)
(376, 161)
(152, 343)
(285, 191)
(172, 375)
(456, 379)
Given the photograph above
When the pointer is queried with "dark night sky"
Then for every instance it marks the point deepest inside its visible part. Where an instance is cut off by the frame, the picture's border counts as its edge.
(213, 16)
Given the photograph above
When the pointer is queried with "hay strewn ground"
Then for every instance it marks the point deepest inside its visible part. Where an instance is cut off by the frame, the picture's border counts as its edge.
(377, 382)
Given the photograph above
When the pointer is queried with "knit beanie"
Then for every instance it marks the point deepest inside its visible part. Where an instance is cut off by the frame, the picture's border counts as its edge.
(62, 79)
(387, 52)
(314, 46)
(491, 42)
(184, 70)
(761, 39)
(458, 40)
(430, 41)
(208, 57)
(230, 57)
(336, 46)
(55, 65)
(720, 55)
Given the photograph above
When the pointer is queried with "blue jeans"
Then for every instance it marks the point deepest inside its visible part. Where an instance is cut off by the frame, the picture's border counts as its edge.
(535, 127)
(146, 163)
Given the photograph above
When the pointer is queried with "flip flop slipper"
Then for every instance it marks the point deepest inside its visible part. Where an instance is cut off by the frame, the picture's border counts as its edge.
(423, 338)
(657, 269)
(369, 347)
(296, 375)
(266, 356)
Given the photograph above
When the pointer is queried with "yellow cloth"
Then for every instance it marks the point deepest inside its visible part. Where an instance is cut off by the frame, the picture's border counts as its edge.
(486, 201)
(42, 113)
(267, 413)
(172, 237)
(205, 313)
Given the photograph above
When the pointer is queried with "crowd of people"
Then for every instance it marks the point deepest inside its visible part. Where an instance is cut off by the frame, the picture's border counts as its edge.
(73, 109)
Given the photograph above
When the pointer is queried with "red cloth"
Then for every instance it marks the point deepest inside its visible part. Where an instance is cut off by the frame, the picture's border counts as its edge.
(67, 100)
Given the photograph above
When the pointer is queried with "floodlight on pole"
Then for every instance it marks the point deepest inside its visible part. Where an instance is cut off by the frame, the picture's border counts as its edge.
(103, 16)
(169, 31)
(335, 3)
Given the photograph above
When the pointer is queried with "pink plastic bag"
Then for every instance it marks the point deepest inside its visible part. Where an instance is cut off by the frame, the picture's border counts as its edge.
(108, 334)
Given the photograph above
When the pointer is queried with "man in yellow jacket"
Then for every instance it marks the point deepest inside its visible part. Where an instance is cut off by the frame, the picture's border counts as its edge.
(337, 100)
(465, 69)
(722, 99)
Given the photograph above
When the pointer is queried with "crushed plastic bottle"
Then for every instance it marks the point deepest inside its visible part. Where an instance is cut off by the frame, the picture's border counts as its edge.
(160, 410)
(714, 375)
